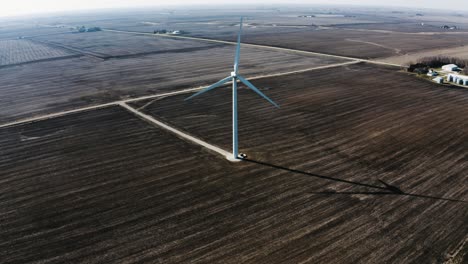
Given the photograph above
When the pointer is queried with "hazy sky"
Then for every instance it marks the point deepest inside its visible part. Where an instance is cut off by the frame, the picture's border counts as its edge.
(19, 7)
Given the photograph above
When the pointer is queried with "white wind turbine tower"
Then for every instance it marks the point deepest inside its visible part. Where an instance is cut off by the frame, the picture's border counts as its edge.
(234, 77)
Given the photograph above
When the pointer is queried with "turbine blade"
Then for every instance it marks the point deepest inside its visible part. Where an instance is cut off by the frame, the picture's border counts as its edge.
(251, 86)
(211, 87)
(237, 59)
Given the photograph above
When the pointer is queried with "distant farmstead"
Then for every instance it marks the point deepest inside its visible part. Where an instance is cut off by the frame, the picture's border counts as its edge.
(450, 67)
(458, 79)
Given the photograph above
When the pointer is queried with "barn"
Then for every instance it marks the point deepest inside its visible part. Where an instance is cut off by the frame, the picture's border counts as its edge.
(458, 79)
(450, 67)
(438, 80)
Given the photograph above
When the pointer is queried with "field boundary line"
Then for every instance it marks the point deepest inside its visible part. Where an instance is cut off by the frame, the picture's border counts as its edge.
(68, 48)
(175, 131)
(304, 70)
(256, 46)
(255, 77)
(54, 115)
(41, 60)
(94, 107)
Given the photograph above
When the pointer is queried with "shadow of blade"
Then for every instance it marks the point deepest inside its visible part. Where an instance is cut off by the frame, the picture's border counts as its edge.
(317, 175)
(392, 188)
(387, 188)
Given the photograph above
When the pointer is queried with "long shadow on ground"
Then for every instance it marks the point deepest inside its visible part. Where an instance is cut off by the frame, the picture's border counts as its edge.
(386, 189)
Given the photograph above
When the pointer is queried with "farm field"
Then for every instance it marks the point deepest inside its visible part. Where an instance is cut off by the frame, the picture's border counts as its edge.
(321, 188)
(204, 21)
(102, 160)
(210, 19)
(117, 45)
(280, 25)
(14, 52)
(372, 120)
(362, 44)
(9, 31)
(355, 33)
(28, 90)
(407, 59)
(354, 40)
(370, 130)
(409, 27)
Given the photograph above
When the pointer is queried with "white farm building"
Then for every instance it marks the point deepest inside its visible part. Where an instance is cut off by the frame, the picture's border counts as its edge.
(450, 67)
(438, 80)
(458, 79)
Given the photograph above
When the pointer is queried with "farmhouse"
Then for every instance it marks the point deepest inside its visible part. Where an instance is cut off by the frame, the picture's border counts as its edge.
(432, 73)
(450, 67)
(458, 79)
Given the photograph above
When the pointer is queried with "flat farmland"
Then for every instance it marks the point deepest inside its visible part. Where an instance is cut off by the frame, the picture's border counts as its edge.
(115, 45)
(104, 186)
(364, 102)
(28, 90)
(359, 43)
(356, 43)
(217, 29)
(21, 51)
(357, 35)
(363, 163)
(227, 26)
(17, 30)
(373, 130)
(407, 27)
(206, 20)
(72, 193)
(413, 57)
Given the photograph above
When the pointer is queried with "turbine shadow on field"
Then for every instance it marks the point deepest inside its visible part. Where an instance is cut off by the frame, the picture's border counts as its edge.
(386, 189)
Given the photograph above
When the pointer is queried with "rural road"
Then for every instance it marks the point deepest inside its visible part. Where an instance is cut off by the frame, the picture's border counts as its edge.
(175, 131)
(256, 46)
(123, 103)
(119, 102)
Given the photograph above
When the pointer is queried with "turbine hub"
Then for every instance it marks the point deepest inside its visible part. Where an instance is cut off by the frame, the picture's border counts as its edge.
(233, 74)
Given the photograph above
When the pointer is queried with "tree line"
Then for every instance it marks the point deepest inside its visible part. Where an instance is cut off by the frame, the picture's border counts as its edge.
(424, 64)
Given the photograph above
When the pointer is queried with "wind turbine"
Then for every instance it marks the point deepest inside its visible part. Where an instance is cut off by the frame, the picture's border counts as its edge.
(234, 77)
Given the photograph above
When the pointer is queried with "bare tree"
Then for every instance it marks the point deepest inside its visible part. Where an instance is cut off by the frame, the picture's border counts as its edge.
(439, 61)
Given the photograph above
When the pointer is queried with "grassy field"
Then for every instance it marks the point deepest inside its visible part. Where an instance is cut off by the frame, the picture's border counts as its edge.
(14, 52)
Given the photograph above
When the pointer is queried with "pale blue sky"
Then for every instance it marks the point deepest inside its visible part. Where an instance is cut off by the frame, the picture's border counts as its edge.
(19, 7)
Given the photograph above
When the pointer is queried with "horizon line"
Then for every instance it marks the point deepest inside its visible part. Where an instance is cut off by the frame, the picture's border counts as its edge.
(201, 6)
